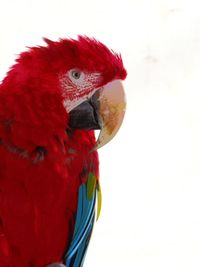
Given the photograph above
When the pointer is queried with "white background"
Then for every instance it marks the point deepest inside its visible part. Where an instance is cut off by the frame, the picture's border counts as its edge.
(150, 172)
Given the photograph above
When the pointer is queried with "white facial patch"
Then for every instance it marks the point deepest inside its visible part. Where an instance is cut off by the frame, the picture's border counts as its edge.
(78, 86)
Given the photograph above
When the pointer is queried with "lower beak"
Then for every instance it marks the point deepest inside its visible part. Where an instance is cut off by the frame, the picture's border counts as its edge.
(104, 110)
(86, 115)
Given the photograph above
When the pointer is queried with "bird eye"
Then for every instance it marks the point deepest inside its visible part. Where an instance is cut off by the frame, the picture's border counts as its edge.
(76, 74)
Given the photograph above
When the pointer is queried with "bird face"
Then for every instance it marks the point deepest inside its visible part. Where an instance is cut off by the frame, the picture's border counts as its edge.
(92, 92)
(91, 106)
(78, 86)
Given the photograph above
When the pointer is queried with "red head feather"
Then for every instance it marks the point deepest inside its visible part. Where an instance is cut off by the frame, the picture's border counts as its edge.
(56, 58)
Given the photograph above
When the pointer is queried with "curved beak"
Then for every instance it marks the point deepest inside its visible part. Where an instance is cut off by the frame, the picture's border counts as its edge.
(112, 105)
(104, 110)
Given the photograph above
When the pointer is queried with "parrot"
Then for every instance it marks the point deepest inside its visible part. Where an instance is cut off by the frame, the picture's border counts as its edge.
(53, 100)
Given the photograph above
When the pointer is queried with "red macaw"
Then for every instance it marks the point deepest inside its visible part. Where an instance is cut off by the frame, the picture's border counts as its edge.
(51, 101)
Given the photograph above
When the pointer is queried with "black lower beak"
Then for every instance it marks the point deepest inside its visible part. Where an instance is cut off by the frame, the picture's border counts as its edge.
(85, 116)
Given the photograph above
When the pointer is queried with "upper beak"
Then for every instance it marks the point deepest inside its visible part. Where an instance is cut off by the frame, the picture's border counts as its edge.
(104, 110)
(111, 111)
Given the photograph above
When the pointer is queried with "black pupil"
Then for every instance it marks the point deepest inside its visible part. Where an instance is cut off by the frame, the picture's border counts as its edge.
(76, 74)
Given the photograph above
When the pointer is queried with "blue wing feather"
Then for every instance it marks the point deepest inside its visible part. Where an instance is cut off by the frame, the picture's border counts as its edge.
(75, 255)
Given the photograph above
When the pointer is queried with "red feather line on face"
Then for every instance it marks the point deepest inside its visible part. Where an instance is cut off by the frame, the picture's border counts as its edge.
(72, 90)
(75, 92)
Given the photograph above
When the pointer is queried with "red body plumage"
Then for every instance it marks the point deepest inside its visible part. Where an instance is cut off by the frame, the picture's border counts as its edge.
(41, 164)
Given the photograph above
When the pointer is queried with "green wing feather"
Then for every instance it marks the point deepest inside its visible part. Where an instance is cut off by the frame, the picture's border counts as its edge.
(91, 185)
(94, 187)
(99, 200)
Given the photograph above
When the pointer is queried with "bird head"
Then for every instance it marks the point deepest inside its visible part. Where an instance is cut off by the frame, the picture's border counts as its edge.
(86, 76)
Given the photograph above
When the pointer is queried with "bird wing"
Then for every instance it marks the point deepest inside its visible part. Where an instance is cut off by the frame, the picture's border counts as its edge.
(89, 194)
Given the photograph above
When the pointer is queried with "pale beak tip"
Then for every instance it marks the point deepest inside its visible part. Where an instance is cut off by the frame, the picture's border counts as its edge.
(112, 110)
